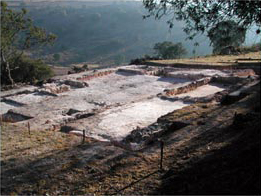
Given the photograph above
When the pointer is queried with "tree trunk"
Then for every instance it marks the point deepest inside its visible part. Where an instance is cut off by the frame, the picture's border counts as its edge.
(7, 67)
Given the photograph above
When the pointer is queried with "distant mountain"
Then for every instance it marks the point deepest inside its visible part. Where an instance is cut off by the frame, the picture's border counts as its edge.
(100, 32)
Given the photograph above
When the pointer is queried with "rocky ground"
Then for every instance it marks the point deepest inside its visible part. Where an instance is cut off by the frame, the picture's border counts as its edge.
(211, 146)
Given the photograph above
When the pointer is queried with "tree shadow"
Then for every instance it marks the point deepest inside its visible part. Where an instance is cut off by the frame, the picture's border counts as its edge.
(232, 169)
(23, 176)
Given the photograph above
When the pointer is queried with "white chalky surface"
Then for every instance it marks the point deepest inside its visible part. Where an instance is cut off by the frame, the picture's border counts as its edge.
(124, 101)
(4, 107)
(29, 98)
(119, 122)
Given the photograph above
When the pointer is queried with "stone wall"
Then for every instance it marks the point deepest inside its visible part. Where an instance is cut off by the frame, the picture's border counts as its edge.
(95, 75)
(76, 84)
(132, 71)
(190, 87)
(54, 88)
(244, 73)
(157, 72)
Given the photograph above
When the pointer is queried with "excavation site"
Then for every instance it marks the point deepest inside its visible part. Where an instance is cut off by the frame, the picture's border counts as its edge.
(133, 97)
(103, 130)
(113, 104)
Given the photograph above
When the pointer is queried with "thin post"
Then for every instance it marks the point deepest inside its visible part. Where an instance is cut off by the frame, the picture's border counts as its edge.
(83, 136)
(29, 130)
(161, 154)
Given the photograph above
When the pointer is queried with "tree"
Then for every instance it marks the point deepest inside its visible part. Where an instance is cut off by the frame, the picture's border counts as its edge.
(56, 57)
(169, 50)
(226, 34)
(17, 35)
(85, 67)
(202, 15)
(31, 70)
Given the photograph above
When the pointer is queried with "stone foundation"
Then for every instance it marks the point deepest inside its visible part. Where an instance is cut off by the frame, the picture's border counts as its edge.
(55, 89)
(76, 84)
(244, 73)
(96, 75)
(190, 87)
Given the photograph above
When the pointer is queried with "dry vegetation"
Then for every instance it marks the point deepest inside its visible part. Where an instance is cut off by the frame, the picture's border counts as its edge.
(214, 59)
(214, 150)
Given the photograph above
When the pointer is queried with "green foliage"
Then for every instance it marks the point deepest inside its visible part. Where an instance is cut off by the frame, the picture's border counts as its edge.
(169, 50)
(29, 70)
(78, 69)
(140, 61)
(201, 15)
(101, 34)
(18, 33)
(56, 57)
(226, 33)
(85, 66)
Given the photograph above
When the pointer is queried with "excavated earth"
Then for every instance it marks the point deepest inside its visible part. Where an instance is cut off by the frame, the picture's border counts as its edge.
(98, 132)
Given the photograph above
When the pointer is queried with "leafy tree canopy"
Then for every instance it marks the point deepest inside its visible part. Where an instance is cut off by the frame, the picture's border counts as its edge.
(201, 15)
(225, 34)
(18, 33)
(31, 70)
(169, 50)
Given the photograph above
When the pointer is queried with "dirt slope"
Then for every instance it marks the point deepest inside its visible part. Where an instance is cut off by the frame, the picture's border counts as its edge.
(217, 153)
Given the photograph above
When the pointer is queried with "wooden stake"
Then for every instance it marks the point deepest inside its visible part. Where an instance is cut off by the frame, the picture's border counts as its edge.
(161, 154)
(29, 131)
(83, 136)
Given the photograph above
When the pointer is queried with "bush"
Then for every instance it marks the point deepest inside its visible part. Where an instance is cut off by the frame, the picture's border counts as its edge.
(169, 50)
(140, 61)
(30, 70)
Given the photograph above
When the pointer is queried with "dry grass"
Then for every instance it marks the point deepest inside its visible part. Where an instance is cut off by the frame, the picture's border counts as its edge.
(216, 60)
(17, 143)
(27, 157)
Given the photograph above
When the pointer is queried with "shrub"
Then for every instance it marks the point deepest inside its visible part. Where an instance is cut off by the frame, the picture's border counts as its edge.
(140, 61)
(31, 70)
(169, 50)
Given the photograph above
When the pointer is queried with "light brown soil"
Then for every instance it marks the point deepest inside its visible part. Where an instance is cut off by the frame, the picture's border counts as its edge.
(222, 59)
(217, 153)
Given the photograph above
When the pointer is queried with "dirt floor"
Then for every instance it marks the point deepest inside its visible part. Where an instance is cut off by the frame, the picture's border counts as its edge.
(211, 143)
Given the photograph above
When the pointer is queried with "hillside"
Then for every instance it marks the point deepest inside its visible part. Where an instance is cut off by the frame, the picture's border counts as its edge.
(109, 32)
(99, 132)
